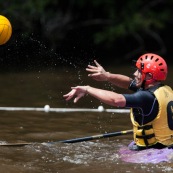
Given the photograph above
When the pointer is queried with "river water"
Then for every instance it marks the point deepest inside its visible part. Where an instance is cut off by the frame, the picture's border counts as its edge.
(39, 88)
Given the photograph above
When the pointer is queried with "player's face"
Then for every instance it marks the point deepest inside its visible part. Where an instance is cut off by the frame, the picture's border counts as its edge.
(138, 77)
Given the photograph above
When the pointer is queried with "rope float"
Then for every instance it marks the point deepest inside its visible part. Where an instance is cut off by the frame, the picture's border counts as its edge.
(47, 108)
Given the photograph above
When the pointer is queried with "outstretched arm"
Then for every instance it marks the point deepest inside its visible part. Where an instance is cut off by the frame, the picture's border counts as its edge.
(98, 73)
(108, 97)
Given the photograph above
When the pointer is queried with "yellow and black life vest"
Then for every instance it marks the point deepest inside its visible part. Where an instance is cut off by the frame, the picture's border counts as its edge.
(161, 128)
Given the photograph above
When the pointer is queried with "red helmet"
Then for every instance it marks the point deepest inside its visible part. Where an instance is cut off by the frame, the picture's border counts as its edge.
(154, 64)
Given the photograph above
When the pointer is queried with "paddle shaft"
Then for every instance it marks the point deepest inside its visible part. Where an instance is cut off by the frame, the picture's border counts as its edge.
(89, 138)
(75, 140)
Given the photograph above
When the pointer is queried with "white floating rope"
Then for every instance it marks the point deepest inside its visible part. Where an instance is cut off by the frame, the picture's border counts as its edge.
(47, 108)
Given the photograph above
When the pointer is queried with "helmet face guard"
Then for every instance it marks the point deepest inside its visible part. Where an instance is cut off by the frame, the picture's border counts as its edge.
(154, 65)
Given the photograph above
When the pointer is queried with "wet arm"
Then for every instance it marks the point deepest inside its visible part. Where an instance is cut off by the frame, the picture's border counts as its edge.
(98, 73)
(108, 97)
(119, 80)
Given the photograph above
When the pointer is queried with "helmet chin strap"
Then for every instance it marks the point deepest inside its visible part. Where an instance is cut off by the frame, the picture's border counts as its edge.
(143, 84)
(144, 81)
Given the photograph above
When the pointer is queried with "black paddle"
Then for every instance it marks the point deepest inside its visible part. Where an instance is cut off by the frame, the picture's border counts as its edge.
(75, 140)
(89, 138)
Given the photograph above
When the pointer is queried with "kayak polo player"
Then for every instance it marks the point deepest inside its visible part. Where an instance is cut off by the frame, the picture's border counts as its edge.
(151, 102)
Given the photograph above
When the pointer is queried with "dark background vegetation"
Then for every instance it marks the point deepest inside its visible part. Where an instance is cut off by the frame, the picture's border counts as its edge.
(55, 32)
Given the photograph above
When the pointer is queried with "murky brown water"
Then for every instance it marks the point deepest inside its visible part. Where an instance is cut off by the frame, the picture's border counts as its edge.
(37, 89)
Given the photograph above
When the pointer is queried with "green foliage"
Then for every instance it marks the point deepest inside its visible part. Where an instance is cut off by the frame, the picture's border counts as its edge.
(105, 20)
(133, 17)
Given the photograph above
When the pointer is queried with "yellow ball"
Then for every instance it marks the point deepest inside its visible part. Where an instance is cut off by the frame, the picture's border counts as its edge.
(5, 30)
